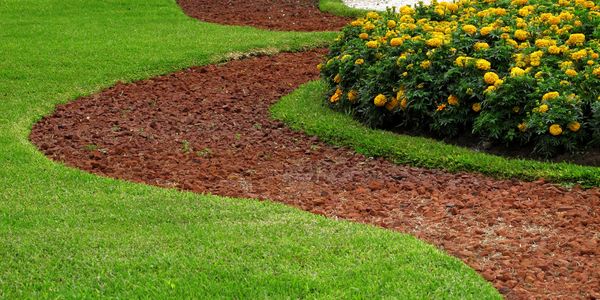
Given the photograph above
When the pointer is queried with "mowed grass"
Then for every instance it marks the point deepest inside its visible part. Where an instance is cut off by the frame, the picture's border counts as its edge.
(338, 7)
(65, 233)
(305, 110)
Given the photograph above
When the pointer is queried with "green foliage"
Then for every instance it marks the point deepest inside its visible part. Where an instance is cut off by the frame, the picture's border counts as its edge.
(434, 70)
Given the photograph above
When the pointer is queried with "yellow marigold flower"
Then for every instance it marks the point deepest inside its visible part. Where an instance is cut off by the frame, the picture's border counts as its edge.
(536, 55)
(571, 72)
(352, 95)
(554, 50)
(490, 78)
(521, 35)
(554, 20)
(441, 107)
(470, 29)
(425, 64)
(512, 43)
(403, 103)
(336, 96)
(516, 72)
(357, 23)
(393, 103)
(372, 15)
(391, 24)
(576, 39)
(550, 96)
(363, 36)
(453, 100)
(337, 78)
(543, 108)
(538, 75)
(369, 26)
(555, 130)
(574, 126)
(542, 43)
(481, 45)
(523, 12)
(564, 82)
(400, 94)
(596, 72)
(498, 83)
(522, 127)
(566, 64)
(519, 2)
(489, 89)
(483, 64)
(372, 44)
(476, 107)
(359, 61)
(434, 42)
(578, 55)
(395, 42)
(590, 62)
(319, 67)
(461, 61)
(486, 30)
(451, 7)
(407, 10)
(380, 100)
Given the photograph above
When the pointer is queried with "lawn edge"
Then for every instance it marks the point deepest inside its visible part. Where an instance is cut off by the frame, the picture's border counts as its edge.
(337, 7)
(304, 110)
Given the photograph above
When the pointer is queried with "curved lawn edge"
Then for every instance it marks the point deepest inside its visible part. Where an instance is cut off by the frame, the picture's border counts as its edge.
(70, 234)
(304, 109)
(337, 7)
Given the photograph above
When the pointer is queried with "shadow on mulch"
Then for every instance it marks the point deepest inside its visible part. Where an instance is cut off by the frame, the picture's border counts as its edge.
(208, 129)
(287, 15)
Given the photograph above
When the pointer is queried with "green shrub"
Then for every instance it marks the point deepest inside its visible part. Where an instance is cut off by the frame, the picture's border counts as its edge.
(511, 72)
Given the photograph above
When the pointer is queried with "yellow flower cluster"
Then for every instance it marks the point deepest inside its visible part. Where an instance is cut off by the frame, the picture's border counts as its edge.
(465, 60)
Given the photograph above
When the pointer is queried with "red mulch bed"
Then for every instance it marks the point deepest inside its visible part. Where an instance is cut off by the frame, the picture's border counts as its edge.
(208, 130)
(288, 15)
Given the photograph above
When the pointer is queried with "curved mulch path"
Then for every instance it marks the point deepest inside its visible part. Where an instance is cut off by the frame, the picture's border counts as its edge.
(208, 130)
(289, 15)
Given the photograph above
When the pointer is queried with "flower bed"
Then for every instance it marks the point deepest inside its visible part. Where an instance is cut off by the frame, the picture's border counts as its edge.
(525, 72)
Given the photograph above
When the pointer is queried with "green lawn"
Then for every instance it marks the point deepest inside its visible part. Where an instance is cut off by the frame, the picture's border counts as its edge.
(338, 7)
(305, 110)
(68, 234)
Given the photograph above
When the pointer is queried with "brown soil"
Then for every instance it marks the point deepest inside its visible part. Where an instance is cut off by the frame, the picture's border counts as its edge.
(288, 15)
(207, 129)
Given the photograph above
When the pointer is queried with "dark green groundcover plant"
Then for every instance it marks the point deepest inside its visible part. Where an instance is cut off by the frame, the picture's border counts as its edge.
(512, 72)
